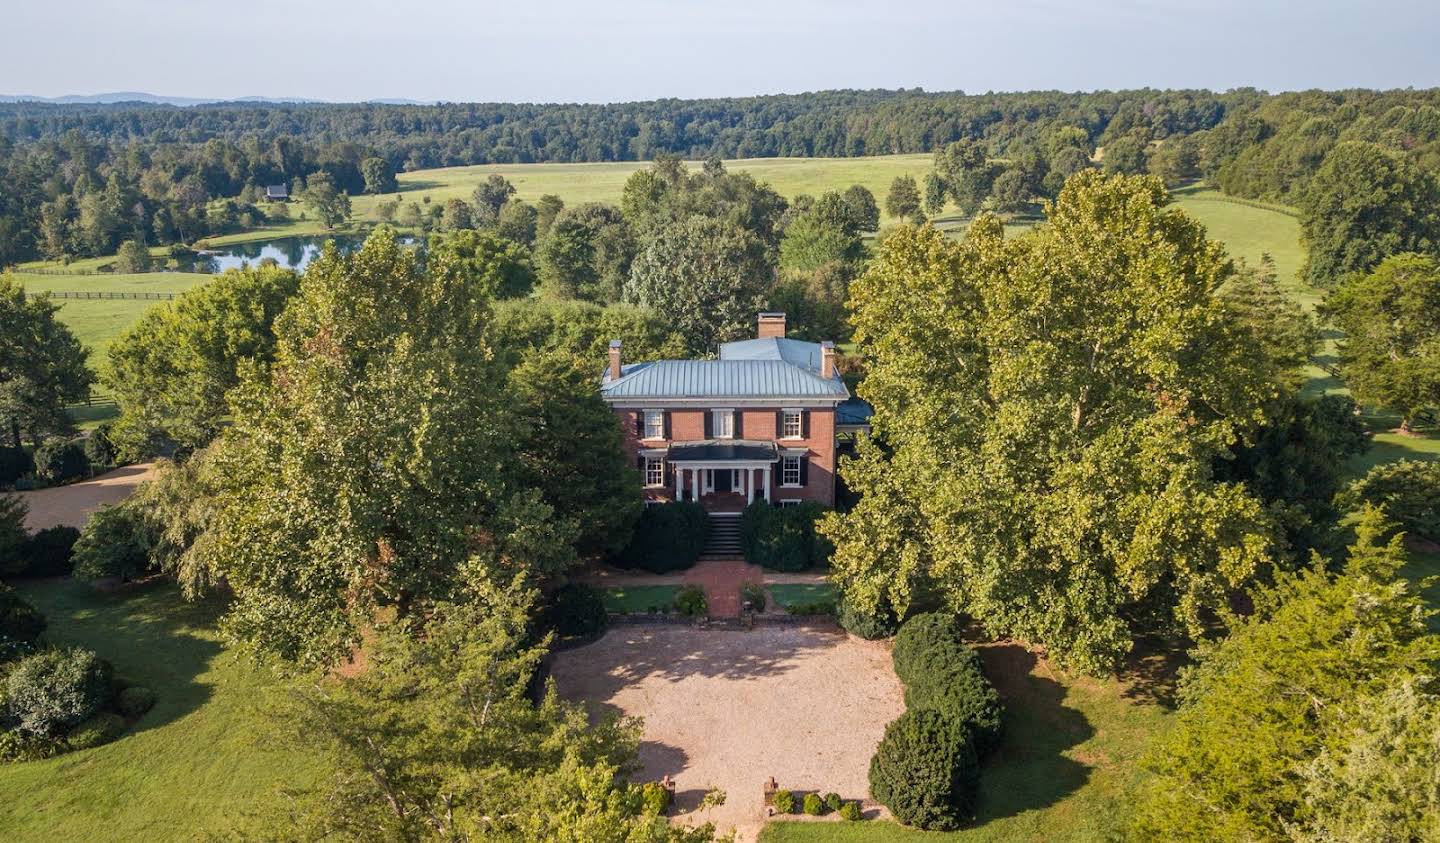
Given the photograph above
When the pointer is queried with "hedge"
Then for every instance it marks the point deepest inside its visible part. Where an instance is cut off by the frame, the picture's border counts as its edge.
(61, 460)
(881, 623)
(784, 538)
(925, 771)
(49, 552)
(669, 537)
(20, 624)
(50, 692)
(578, 609)
(941, 673)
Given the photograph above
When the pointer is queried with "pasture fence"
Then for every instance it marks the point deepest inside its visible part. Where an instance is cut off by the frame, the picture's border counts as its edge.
(103, 294)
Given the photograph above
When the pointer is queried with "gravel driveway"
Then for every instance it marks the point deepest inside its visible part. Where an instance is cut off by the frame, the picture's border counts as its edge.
(71, 505)
(727, 708)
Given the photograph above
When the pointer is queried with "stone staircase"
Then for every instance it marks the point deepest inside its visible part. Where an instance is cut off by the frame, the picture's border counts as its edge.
(724, 541)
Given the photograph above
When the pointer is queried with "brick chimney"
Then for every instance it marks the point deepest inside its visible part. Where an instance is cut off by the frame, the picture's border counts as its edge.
(771, 325)
(827, 359)
(614, 360)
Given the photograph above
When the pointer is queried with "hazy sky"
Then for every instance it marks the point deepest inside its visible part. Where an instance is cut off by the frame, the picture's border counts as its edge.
(599, 51)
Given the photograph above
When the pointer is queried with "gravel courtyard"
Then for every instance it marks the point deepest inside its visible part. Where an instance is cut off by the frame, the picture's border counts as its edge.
(727, 708)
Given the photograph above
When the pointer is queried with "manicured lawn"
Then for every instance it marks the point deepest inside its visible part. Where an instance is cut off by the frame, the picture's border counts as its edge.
(1064, 772)
(197, 765)
(789, 594)
(1425, 564)
(637, 599)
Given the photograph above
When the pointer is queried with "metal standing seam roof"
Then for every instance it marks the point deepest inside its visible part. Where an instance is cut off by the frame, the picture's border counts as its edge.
(770, 367)
(721, 379)
(713, 449)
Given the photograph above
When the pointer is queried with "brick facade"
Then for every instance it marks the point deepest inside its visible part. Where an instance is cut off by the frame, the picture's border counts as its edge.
(754, 424)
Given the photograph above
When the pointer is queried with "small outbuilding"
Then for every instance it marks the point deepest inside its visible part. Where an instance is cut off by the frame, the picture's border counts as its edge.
(277, 193)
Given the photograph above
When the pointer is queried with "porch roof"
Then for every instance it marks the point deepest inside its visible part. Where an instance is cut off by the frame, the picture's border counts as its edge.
(722, 450)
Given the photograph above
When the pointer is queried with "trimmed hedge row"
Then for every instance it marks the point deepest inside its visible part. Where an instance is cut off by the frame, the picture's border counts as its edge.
(940, 672)
(784, 538)
(668, 537)
(926, 769)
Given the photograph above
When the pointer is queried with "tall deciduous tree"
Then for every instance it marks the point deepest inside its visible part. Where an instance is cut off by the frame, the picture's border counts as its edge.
(42, 365)
(965, 169)
(488, 261)
(586, 254)
(1282, 718)
(379, 176)
(1364, 204)
(1390, 355)
(903, 200)
(329, 203)
(170, 371)
(371, 463)
(705, 277)
(1051, 407)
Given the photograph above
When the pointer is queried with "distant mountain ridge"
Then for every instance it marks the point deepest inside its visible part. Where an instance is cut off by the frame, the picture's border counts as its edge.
(112, 97)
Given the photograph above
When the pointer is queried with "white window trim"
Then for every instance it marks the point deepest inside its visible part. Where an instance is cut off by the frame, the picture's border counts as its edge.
(660, 461)
(645, 425)
(715, 416)
(799, 472)
(800, 423)
(784, 502)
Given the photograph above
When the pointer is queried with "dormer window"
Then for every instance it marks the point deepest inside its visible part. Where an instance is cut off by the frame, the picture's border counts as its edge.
(722, 424)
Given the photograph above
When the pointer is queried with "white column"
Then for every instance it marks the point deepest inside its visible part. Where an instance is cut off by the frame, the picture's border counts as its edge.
(679, 483)
(748, 481)
(695, 483)
(765, 491)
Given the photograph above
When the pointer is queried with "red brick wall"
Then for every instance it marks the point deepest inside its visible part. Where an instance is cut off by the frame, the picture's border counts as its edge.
(756, 424)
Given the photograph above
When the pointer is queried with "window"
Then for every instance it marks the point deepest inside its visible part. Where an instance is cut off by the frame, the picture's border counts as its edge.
(784, 502)
(790, 471)
(654, 424)
(722, 424)
(654, 472)
(792, 424)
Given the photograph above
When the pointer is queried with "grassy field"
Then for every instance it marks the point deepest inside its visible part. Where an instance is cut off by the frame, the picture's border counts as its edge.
(1063, 773)
(790, 594)
(97, 322)
(604, 182)
(197, 764)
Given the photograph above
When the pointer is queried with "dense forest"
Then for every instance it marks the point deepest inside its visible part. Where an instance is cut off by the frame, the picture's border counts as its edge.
(81, 179)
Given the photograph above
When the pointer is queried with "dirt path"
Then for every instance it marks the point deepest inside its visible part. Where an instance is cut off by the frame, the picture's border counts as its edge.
(71, 505)
(726, 709)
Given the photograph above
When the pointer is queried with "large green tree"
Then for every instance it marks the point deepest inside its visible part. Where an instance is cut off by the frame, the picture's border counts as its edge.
(170, 371)
(903, 200)
(1364, 204)
(706, 277)
(42, 365)
(586, 254)
(1050, 409)
(967, 173)
(330, 203)
(373, 461)
(1283, 726)
(1390, 354)
(437, 740)
(489, 261)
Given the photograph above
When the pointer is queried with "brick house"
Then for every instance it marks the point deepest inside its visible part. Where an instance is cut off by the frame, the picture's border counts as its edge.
(758, 423)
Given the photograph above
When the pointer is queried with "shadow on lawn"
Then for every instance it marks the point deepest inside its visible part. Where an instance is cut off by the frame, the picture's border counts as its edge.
(145, 631)
(1029, 771)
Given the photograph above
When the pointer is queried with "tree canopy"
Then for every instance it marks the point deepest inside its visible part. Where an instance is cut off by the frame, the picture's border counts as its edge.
(42, 365)
(1048, 410)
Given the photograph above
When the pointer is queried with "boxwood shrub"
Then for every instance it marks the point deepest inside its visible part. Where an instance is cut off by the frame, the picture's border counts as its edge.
(925, 771)
(135, 701)
(814, 805)
(940, 672)
(61, 460)
(50, 551)
(783, 538)
(100, 728)
(577, 609)
(881, 623)
(20, 624)
(668, 537)
(784, 802)
(851, 811)
(50, 692)
(690, 601)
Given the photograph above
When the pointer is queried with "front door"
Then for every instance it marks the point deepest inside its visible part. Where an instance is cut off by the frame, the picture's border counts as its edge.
(722, 479)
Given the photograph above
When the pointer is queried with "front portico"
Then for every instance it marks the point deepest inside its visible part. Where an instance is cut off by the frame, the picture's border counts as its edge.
(722, 474)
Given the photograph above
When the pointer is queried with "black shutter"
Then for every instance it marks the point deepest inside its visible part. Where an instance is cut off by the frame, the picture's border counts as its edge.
(805, 423)
(667, 424)
(739, 428)
(779, 424)
(640, 463)
(709, 424)
(805, 470)
(639, 424)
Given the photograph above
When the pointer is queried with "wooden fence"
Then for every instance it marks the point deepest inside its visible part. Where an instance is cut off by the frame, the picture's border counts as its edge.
(104, 294)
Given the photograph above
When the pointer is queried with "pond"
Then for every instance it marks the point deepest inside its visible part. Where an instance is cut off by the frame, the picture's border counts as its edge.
(288, 252)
